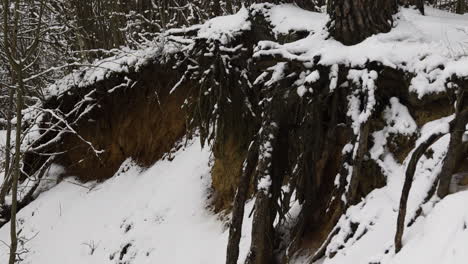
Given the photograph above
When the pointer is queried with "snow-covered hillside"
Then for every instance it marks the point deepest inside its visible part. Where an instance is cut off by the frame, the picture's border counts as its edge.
(438, 236)
(156, 215)
(162, 214)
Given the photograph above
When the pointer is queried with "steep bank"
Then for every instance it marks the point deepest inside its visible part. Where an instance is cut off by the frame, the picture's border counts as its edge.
(320, 134)
(122, 108)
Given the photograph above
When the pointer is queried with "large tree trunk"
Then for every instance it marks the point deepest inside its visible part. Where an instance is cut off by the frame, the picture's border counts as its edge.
(461, 7)
(352, 21)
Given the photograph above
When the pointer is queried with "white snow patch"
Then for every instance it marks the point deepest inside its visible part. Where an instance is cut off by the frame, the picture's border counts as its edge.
(158, 215)
(374, 219)
(224, 28)
(287, 17)
(433, 47)
(399, 119)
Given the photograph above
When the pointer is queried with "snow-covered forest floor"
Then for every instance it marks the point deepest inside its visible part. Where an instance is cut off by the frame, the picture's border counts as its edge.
(162, 214)
(154, 215)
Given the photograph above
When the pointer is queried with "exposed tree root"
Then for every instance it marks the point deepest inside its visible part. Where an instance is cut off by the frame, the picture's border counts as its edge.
(235, 229)
(451, 162)
(407, 186)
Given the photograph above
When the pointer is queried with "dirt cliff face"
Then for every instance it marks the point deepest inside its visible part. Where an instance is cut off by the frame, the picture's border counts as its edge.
(140, 120)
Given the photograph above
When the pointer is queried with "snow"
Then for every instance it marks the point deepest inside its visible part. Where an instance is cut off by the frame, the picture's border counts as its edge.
(264, 184)
(278, 73)
(288, 17)
(399, 119)
(124, 61)
(432, 47)
(2, 137)
(313, 77)
(398, 122)
(374, 219)
(2, 147)
(365, 80)
(161, 212)
(441, 237)
(301, 90)
(224, 28)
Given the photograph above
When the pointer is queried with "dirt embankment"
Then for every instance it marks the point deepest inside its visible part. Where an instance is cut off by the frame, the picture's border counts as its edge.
(139, 120)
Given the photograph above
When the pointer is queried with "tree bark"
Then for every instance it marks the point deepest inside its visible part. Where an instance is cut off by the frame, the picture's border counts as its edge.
(235, 229)
(352, 21)
(461, 7)
(352, 195)
(261, 247)
(17, 57)
(17, 169)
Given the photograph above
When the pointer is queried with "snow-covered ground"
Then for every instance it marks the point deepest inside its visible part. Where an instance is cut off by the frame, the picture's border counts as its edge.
(157, 215)
(2, 137)
(160, 215)
(2, 147)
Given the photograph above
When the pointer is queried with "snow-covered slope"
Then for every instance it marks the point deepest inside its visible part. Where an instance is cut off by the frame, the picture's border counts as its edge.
(157, 215)
(161, 215)
(441, 237)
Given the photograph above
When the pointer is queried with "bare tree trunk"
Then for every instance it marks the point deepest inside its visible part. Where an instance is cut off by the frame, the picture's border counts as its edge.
(18, 56)
(16, 174)
(352, 21)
